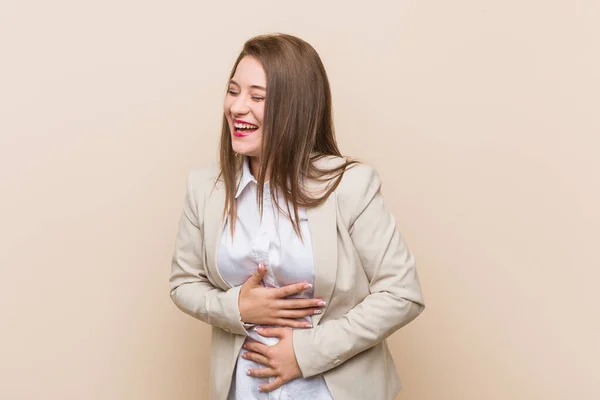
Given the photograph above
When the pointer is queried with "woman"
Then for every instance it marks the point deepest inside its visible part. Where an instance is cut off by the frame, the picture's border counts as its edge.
(286, 248)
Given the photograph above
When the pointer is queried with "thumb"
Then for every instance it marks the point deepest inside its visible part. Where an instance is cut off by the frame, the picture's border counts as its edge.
(258, 275)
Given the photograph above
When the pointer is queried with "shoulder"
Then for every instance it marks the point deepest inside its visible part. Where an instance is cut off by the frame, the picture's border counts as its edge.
(200, 183)
(200, 179)
(359, 184)
(358, 170)
(357, 177)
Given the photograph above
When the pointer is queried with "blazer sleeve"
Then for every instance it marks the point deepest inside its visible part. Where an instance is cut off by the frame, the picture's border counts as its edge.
(395, 296)
(191, 289)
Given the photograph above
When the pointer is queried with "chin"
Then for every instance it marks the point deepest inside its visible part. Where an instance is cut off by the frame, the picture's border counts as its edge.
(245, 146)
(250, 151)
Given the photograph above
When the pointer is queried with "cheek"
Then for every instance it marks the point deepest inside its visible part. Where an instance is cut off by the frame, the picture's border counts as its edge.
(227, 107)
(260, 112)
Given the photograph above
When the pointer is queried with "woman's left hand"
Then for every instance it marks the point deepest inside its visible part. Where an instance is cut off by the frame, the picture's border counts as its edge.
(279, 359)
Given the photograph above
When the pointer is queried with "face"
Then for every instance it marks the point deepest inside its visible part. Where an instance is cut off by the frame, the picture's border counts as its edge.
(244, 106)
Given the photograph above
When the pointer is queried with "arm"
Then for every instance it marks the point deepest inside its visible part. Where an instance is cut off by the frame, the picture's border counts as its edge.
(395, 296)
(191, 290)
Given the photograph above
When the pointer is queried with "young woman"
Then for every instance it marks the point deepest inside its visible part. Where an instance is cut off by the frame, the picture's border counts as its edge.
(286, 247)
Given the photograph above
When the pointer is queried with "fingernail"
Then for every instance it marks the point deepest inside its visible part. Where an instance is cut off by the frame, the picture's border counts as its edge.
(258, 329)
(260, 389)
(321, 303)
(248, 372)
(318, 311)
(308, 325)
(307, 286)
(244, 355)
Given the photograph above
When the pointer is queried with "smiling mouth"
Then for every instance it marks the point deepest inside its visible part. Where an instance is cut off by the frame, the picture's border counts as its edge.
(244, 129)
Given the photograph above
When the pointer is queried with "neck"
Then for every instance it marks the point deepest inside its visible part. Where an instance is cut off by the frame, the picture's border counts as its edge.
(255, 167)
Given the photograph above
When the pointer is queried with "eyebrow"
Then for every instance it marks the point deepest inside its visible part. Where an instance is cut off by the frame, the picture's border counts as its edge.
(253, 86)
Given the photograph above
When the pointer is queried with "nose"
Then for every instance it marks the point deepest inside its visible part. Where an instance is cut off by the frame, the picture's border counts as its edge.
(239, 106)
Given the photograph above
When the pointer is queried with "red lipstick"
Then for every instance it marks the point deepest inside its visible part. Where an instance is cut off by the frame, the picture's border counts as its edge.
(243, 132)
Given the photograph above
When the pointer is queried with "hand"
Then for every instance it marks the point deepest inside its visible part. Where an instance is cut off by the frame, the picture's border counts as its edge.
(279, 359)
(268, 306)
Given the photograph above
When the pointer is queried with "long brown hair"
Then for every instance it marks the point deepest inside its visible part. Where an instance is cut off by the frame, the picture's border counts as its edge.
(297, 127)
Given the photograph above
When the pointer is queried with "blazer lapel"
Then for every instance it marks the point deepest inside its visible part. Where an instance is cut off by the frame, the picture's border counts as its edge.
(213, 230)
(322, 224)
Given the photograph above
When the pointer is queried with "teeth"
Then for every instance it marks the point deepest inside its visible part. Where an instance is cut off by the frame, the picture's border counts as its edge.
(245, 126)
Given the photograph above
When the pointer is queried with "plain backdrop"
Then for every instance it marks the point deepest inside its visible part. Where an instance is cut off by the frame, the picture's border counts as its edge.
(482, 118)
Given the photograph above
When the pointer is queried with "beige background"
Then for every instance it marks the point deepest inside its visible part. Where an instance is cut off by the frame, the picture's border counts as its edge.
(481, 116)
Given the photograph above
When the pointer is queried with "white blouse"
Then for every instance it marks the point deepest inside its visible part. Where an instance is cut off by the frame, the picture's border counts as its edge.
(274, 243)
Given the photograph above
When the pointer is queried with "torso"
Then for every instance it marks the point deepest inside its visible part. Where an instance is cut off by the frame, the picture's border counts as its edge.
(289, 259)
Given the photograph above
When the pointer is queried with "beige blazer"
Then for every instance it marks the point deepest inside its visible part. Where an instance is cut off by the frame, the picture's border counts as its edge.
(363, 270)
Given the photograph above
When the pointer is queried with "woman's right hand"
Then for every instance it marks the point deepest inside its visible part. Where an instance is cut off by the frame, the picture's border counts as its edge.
(268, 306)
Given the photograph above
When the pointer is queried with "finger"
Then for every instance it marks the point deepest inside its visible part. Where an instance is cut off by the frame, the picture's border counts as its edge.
(261, 373)
(256, 347)
(299, 313)
(288, 304)
(258, 275)
(292, 323)
(272, 332)
(256, 357)
(271, 386)
(289, 290)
